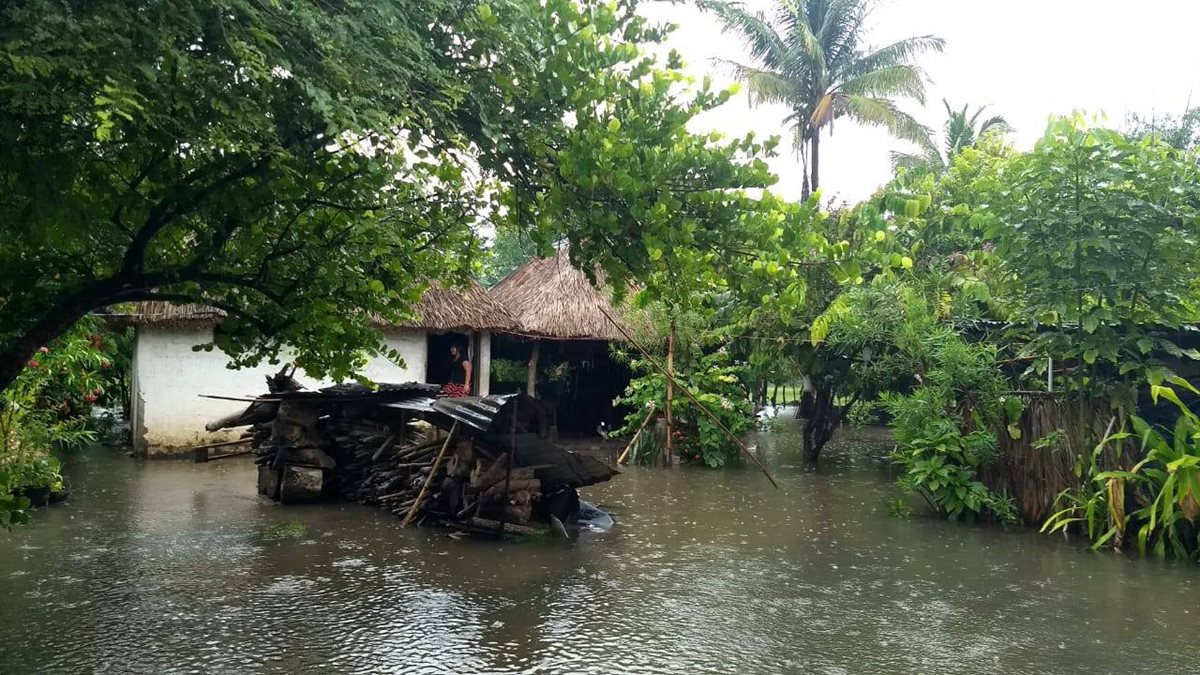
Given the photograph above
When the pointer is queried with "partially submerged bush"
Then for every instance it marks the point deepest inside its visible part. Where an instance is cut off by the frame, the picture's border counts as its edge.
(48, 407)
(717, 383)
(945, 430)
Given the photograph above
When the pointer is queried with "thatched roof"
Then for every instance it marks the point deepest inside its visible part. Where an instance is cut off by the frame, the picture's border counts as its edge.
(162, 313)
(551, 298)
(469, 308)
(440, 309)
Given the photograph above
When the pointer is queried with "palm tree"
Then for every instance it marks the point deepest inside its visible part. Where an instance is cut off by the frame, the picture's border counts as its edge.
(810, 57)
(962, 131)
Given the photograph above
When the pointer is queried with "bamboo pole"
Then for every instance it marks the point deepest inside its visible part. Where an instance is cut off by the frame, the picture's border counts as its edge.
(670, 447)
(437, 464)
(625, 455)
(704, 409)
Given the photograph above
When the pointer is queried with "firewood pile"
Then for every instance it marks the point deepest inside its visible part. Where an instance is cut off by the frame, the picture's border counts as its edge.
(480, 465)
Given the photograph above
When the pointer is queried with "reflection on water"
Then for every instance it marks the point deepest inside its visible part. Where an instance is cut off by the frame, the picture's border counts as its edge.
(175, 567)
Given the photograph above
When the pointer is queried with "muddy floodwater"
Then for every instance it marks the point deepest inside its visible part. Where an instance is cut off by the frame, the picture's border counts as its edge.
(164, 567)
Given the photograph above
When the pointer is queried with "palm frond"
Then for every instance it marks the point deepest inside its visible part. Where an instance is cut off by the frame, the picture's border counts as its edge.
(765, 44)
(883, 112)
(924, 162)
(764, 86)
(841, 29)
(806, 53)
(995, 123)
(898, 53)
(899, 80)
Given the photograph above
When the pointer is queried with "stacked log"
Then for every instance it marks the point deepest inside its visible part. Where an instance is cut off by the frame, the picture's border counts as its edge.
(386, 464)
(450, 468)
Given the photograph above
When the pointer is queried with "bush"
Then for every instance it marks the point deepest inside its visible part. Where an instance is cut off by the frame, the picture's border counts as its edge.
(717, 383)
(1155, 504)
(48, 407)
(945, 430)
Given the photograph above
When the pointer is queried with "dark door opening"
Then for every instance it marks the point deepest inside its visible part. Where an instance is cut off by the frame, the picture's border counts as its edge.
(437, 358)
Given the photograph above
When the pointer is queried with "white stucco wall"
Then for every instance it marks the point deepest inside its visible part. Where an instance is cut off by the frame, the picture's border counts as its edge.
(168, 414)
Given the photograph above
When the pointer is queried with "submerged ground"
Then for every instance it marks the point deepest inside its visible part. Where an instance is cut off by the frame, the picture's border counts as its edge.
(176, 567)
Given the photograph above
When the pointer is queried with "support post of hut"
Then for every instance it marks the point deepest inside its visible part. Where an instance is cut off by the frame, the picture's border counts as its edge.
(531, 378)
(670, 446)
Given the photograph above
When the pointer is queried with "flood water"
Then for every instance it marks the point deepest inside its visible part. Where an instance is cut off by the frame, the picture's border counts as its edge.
(175, 567)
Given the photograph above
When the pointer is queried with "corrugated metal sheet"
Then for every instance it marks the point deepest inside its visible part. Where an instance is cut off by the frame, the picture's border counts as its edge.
(353, 392)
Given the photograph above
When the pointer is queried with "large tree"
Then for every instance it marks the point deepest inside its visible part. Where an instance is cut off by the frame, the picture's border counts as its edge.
(811, 56)
(308, 167)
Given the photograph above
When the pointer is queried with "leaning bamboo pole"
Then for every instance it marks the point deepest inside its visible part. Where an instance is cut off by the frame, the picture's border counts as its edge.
(704, 409)
(625, 455)
(437, 464)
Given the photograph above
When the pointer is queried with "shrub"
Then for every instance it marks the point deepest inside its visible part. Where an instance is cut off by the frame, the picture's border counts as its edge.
(1164, 486)
(945, 429)
(717, 383)
(47, 407)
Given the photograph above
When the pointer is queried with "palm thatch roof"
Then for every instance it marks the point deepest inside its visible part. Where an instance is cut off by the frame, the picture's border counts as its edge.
(551, 298)
(470, 308)
(440, 309)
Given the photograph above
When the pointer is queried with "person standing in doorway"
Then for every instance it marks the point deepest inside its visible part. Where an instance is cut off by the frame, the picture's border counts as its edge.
(459, 382)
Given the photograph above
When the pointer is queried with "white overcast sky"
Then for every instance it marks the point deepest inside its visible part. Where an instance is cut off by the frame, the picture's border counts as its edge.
(1025, 59)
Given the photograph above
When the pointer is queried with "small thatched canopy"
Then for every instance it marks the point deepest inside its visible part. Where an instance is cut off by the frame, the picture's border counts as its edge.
(470, 308)
(551, 298)
(440, 309)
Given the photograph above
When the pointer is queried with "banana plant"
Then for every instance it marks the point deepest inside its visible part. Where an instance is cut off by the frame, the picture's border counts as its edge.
(1166, 481)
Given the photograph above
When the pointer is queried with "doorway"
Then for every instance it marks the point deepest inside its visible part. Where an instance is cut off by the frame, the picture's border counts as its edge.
(437, 358)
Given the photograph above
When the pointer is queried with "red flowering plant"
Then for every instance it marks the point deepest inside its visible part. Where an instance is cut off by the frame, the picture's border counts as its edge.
(45, 408)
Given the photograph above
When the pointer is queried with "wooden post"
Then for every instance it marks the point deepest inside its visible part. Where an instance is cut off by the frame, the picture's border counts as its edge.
(625, 455)
(531, 380)
(512, 459)
(437, 464)
(670, 449)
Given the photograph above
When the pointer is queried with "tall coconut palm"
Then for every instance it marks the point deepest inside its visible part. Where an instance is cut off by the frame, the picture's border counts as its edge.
(809, 55)
(962, 130)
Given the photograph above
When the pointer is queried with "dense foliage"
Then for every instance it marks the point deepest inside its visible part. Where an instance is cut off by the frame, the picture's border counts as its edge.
(308, 167)
(48, 408)
(719, 385)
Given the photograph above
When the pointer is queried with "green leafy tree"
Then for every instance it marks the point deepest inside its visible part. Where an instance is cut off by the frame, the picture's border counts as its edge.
(961, 130)
(810, 56)
(1101, 235)
(308, 167)
(510, 249)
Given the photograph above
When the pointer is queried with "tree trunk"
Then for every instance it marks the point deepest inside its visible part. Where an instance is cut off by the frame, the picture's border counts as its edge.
(670, 448)
(819, 426)
(815, 180)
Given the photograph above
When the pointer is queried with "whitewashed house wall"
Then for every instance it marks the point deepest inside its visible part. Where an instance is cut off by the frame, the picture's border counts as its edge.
(169, 416)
